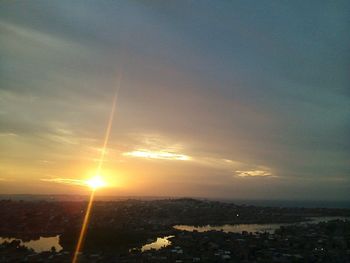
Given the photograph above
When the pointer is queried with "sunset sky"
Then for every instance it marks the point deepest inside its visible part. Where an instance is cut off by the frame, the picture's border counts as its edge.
(233, 99)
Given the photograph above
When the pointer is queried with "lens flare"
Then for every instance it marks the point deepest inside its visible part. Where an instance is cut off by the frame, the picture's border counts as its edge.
(96, 181)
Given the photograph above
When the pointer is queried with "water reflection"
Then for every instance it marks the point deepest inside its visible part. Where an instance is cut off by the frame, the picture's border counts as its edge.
(40, 245)
(319, 219)
(239, 228)
(231, 228)
(158, 244)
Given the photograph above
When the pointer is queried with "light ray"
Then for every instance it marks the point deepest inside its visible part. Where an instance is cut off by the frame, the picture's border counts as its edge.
(98, 170)
(83, 228)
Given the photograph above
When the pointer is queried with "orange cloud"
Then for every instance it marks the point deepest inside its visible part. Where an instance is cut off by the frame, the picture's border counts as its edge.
(254, 173)
(163, 155)
(67, 181)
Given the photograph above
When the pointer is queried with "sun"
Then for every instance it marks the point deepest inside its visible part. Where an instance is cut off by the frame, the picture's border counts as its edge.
(96, 182)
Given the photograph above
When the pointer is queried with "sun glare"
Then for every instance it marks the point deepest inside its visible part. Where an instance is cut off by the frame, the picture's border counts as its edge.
(96, 182)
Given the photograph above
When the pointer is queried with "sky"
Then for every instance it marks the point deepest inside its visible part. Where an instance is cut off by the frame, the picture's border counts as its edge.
(224, 99)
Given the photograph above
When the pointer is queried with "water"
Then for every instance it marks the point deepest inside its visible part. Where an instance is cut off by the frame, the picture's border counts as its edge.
(239, 228)
(46, 243)
(158, 244)
(162, 242)
(231, 228)
(40, 245)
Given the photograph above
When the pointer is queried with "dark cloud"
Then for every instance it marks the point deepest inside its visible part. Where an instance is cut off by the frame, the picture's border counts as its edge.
(261, 84)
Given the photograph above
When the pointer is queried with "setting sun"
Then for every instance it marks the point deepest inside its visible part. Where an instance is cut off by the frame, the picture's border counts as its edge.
(174, 131)
(96, 182)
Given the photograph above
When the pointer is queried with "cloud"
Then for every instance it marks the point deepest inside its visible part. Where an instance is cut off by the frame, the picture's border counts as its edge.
(217, 162)
(156, 146)
(254, 173)
(36, 37)
(160, 147)
(8, 134)
(184, 96)
(66, 181)
(163, 155)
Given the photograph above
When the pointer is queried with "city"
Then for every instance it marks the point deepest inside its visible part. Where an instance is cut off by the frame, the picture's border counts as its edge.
(119, 230)
(174, 131)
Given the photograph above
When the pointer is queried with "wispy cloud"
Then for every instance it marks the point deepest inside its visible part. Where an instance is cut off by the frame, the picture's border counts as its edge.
(67, 181)
(163, 155)
(36, 37)
(159, 147)
(8, 134)
(155, 146)
(254, 173)
(217, 162)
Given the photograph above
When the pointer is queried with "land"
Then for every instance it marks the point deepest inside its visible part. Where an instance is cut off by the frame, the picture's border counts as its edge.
(117, 226)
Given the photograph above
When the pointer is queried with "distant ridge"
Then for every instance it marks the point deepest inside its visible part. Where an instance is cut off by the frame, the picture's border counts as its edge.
(254, 202)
